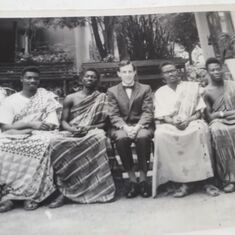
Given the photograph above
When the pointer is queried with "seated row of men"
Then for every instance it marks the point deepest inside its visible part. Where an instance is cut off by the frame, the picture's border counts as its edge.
(36, 158)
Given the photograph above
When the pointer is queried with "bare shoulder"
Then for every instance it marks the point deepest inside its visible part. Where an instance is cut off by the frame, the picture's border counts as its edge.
(209, 90)
(69, 99)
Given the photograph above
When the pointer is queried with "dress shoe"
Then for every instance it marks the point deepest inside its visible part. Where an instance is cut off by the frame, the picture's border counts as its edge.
(144, 189)
(133, 190)
(58, 202)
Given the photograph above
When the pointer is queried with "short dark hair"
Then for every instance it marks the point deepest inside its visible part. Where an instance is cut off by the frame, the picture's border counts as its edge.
(123, 63)
(166, 63)
(212, 60)
(90, 69)
(33, 69)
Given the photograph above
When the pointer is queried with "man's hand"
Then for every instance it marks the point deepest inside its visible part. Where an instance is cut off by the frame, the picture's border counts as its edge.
(80, 131)
(132, 130)
(37, 125)
(182, 125)
(176, 121)
(230, 117)
(129, 130)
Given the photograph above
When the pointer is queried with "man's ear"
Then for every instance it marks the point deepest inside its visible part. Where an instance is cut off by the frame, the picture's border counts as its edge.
(21, 78)
(118, 73)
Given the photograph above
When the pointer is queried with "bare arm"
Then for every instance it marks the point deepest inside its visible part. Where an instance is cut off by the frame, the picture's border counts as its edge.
(16, 126)
(210, 115)
(67, 105)
(208, 112)
(35, 125)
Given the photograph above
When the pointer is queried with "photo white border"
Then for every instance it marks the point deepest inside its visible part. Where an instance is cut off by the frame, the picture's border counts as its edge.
(62, 8)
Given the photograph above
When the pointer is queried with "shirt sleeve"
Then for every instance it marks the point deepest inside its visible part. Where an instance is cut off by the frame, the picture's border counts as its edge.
(201, 105)
(52, 118)
(163, 105)
(6, 113)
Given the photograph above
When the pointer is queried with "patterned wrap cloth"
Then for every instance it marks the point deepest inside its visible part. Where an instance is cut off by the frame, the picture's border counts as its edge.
(25, 168)
(81, 164)
(223, 134)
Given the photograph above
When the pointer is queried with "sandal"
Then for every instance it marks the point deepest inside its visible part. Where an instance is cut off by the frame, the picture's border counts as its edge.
(58, 202)
(6, 206)
(30, 205)
(182, 191)
(211, 190)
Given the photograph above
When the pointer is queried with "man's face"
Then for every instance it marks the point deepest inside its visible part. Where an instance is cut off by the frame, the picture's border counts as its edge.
(127, 74)
(30, 81)
(170, 73)
(215, 72)
(90, 79)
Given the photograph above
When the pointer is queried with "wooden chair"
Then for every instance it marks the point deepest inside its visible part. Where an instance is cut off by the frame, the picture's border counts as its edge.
(117, 163)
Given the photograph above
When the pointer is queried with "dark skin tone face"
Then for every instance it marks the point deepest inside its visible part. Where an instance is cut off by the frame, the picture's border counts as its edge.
(170, 75)
(215, 72)
(90, 80)
(30, 82)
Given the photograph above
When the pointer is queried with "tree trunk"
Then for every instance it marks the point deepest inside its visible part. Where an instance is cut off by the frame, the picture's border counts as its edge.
(26, 44)
(122, 48)
(190, 57)
(102, 51)
(109, 38)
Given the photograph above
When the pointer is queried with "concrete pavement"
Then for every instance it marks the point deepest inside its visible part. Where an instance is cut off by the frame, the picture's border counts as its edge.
(128, 216)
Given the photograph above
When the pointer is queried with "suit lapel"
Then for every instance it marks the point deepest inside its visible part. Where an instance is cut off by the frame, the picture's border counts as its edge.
(135, 92)
(123, 96)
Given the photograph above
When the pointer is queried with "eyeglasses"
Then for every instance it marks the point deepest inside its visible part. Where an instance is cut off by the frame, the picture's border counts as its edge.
(170, 71)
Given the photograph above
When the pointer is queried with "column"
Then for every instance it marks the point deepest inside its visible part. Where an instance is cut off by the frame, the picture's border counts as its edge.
(204, 33)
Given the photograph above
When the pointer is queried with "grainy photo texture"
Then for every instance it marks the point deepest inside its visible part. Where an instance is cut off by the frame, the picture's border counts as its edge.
(117, 124)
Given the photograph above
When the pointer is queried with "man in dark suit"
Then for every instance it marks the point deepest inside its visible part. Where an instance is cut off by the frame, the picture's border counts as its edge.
(131, 116)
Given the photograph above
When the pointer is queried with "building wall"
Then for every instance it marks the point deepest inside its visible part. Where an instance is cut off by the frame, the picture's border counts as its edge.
(223, 24)
(204, 34)
(75, 41)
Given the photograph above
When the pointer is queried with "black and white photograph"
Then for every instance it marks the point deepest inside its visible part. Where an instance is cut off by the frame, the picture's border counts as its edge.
(118, 123)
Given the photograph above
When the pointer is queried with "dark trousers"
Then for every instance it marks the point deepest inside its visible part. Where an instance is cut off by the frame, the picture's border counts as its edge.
(142, 145)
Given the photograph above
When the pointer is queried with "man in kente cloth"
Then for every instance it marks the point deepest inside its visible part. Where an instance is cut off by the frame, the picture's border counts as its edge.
(80, 160)
(220, 100)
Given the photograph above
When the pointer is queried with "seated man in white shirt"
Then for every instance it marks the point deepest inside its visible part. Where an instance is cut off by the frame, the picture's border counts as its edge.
(26, 119)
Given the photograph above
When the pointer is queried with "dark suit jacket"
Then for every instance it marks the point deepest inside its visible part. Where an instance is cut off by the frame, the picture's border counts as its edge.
(137, 109)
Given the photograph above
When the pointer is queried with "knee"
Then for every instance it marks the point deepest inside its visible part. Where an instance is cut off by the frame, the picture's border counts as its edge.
(144, 134)
(120, 136)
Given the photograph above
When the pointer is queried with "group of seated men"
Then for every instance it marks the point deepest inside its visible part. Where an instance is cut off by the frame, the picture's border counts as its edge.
(192, 131)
